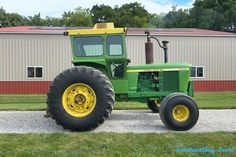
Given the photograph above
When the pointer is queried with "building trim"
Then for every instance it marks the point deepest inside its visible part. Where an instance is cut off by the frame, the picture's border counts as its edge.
(215, 86)
(41, 87)
(24, 87)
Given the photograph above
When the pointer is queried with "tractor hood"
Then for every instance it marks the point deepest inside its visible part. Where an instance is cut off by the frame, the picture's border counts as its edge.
(159, 67)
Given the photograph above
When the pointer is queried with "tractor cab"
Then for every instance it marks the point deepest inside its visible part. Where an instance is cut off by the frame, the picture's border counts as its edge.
(103, 48)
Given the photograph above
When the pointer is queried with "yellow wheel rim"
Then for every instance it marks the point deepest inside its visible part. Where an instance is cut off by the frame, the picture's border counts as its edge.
(157, 102)
(181, 113)
(79, 100)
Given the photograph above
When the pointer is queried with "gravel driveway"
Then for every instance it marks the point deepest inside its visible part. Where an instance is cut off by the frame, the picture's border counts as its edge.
(122, 121)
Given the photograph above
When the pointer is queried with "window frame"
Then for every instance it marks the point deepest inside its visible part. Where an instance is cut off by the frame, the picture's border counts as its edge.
(196, 72)
(34, 78)
(122, 45)
(76, 45)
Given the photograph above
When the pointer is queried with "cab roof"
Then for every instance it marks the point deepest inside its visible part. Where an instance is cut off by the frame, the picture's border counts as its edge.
(99, 28)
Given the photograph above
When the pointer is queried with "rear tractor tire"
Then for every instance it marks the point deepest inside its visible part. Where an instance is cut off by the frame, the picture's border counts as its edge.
(80, 98)
(179, 112)
(154, 105)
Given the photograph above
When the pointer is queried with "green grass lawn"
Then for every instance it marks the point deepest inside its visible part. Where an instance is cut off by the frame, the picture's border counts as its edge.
(205, 100)
(118, 145)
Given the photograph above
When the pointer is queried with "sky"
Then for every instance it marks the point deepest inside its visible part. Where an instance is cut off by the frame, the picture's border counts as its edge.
(55, 8)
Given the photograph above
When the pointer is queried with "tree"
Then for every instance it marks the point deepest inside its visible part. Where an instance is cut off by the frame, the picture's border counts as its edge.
(201, 17)
(131, 15)
(11, 19)
(177, 18)
(102, 13)
(79, 17)
(15, 19)
(207, 14)
(156, 21)
(214, 14)
(50, 21)
(3, 18)
(36, 20)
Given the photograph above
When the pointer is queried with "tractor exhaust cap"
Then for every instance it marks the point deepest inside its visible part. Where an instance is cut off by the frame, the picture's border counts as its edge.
(148, 35)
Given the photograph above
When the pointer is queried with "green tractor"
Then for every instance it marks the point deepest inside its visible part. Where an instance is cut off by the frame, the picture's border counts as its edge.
(81, 98)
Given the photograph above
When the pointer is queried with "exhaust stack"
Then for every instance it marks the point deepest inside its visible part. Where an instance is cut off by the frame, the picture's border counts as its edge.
(165, 48)
(149, 49)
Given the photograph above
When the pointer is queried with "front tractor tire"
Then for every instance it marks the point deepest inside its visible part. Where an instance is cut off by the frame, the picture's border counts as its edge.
(179, 112)
(154, 105)
(80, 98)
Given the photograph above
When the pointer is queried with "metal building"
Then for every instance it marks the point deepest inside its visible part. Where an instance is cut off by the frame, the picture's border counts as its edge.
(30, 57)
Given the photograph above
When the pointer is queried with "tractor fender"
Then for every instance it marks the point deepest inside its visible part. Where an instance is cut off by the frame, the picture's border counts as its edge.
(97, 66)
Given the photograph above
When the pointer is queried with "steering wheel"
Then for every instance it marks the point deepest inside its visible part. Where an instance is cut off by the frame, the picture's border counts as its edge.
(114, 64)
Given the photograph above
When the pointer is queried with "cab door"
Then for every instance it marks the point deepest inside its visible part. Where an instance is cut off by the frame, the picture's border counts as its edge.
(117, 62)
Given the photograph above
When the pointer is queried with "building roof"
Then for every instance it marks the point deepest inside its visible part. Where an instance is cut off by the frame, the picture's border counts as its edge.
(130, 31)
(179, 31)
(31, 29)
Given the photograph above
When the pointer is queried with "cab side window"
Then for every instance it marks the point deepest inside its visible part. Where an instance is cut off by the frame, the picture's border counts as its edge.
(89, 46)
(115, 46)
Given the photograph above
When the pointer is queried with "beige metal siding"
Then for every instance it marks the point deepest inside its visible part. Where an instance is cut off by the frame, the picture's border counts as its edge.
(216, 54)
(17, 51)
(53, 52)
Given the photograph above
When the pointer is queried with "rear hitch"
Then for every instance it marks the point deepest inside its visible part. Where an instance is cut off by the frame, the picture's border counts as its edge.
(48, 114)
